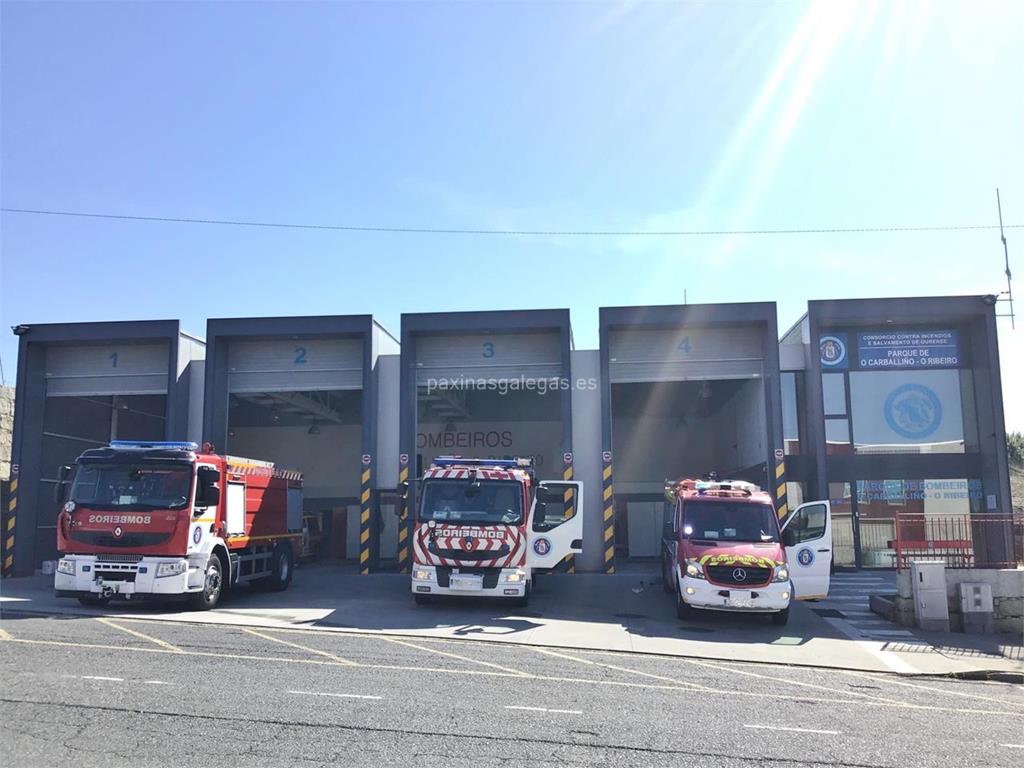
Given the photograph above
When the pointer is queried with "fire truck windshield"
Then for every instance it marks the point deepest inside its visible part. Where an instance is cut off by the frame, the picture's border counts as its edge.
(128, 486)
(486, 502)
(729, 521)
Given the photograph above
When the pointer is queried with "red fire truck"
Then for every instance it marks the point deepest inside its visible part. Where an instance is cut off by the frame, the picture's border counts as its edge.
(166, 518)
(484, 527)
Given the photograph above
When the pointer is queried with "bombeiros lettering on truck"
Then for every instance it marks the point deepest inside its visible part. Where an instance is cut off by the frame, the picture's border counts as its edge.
(725, 549)
(166, 518)
(486, 527)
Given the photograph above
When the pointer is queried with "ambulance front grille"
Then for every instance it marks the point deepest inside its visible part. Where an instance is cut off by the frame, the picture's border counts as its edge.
(739, 575)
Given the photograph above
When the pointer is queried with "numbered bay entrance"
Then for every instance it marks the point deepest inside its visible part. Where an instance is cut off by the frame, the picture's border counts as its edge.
(685, 399)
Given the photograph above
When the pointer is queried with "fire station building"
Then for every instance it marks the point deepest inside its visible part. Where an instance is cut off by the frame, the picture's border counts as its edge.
(881, 406)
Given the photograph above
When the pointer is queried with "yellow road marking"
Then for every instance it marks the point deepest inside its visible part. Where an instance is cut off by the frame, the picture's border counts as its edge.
(306, 648)
(691, 686)
(881, 679)
(5, 635)
(157, 640)
(764, 696)
(508, 670)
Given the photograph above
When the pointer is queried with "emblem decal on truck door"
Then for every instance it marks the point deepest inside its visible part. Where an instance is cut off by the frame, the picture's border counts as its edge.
(197, 534)
(805, 557)
(542, 546)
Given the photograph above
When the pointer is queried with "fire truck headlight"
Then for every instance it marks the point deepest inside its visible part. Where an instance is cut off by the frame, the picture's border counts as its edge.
(170, 569)
(694, 569)
(514, 577)
(66, 567)
(781, 573)
(423, 574)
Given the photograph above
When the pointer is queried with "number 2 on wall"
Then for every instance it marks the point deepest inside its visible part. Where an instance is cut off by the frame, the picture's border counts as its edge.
(488, 349)
(300, 355)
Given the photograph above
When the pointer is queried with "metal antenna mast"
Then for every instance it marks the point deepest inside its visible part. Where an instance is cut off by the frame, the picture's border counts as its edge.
(1006, 254)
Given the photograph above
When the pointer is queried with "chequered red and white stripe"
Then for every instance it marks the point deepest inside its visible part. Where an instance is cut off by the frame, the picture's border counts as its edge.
(454, 539)
(461, 473)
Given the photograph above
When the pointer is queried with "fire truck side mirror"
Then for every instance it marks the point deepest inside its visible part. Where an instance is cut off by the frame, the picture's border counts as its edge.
(61, 488)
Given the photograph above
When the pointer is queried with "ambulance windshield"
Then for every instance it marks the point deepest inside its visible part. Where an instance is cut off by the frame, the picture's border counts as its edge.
(487, 502)
(729, 521)
(127, 486)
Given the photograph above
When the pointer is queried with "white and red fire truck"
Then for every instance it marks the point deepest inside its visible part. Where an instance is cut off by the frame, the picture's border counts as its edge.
(725, 549)
(485, 527)
(166, 518)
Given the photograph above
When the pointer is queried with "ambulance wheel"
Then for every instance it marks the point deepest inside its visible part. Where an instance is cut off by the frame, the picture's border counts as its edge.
(281, 575)
(213, 586)
(423, 599)
(93, 601)
(780, 618)
(683, 609)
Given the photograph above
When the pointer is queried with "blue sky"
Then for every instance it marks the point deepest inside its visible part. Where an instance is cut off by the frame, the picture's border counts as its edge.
(624, 116)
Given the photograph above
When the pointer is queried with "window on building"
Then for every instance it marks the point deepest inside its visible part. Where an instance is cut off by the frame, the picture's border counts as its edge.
(791, 412)
(833, 392)
(837, 436)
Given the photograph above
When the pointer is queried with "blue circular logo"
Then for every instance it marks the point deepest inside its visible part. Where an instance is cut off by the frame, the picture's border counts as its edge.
(542, 546)
(913, 411)
(832, 350)
(805, 557)
(197, 534)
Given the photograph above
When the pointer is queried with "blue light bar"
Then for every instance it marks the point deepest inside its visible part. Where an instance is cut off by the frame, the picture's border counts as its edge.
(166, 445)
(458, 461)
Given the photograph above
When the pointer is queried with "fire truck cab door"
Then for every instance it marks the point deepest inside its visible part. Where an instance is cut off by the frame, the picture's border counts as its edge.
(807, 536)
(555, 525)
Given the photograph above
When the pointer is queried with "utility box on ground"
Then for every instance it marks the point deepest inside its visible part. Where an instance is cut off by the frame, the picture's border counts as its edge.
(931, 609)
(976, 606)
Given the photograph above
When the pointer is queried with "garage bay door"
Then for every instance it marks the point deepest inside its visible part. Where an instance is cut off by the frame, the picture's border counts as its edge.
(483, 356)
(295, 365)
(682, 354)
(106, 369)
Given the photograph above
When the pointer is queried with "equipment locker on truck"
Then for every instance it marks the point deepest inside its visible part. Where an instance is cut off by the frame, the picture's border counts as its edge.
(484, 527)
(164, 518)
(723, 549)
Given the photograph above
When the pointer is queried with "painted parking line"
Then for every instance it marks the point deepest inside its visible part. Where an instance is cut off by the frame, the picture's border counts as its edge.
(336, 695)
(1012, 746)
(155, 682)
(417, 646)
(141, 635)
(545, 709)
(638, 673)
(791, 730)
(103, 679)
(306, 648)
(5, 635)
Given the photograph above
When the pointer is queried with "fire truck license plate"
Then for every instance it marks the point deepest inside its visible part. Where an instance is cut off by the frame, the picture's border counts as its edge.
(469, 583)
(740, 599)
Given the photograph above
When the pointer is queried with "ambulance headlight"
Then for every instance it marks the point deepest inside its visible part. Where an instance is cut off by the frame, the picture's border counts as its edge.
(170, 569)
(513, 577)
(694, 569)
(66, 567)
(422, 574)
(781, 573)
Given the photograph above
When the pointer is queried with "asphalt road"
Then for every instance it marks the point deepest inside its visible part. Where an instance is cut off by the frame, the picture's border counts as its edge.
(108, 692)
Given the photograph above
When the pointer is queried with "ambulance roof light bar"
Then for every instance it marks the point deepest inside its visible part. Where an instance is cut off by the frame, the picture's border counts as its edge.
(163, 445)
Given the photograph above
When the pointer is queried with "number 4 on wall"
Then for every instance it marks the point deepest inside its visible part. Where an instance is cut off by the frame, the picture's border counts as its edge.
(685, 346)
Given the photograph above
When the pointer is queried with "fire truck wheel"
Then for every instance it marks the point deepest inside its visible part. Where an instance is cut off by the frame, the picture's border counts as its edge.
(281, 575)
(779, 619)
(213, 585)
(93, 601)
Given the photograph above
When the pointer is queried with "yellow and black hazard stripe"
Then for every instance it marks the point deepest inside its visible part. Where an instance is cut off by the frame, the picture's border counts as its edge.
(9, 527)
(781, 506)
(364, 521)
(608, 497)
(569, 561)
(403, 521)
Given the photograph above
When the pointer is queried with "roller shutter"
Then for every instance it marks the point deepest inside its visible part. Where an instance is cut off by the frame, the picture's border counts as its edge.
(295, 365)
(488, 356)
(106, 369)
(685, 354)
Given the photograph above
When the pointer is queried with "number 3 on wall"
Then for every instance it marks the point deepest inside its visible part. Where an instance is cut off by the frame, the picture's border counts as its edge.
(488, 349)
(300, 355)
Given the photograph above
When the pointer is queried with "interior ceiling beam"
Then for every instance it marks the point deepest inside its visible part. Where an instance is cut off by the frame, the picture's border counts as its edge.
(447, 404)
(306, 405)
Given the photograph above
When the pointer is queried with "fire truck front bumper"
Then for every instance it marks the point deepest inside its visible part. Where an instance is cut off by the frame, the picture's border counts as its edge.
(769, 598)
(96, 576)
(465, 582)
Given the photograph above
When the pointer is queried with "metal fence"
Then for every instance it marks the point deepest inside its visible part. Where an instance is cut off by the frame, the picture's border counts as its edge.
(960, 540)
